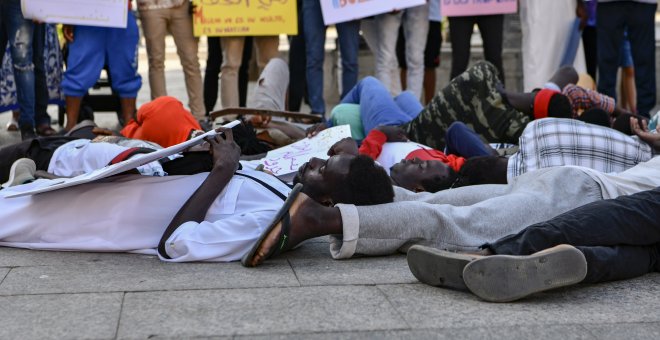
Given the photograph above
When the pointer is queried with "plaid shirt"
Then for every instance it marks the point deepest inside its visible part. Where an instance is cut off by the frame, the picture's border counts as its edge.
(556, 142)
(583, 99)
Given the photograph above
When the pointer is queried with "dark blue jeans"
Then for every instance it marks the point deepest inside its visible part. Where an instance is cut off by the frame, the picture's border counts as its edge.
(639, 19)
(620, 238)
(463, 141)
(349, 40)
(18, 31)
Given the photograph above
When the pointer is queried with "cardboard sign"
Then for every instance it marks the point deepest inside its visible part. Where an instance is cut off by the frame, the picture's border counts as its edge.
(226, 18)
(103, 13)
(458, 8)
(336, 11)
(288, 159)
(120, 167)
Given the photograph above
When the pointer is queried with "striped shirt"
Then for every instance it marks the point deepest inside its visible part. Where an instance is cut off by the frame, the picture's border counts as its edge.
(584, 99)
(556, 142)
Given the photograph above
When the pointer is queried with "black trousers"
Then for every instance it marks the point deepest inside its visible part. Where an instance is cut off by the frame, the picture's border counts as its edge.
(639, 19)
(590, 43)
(620, 238)
(297, 66)
(460, 32)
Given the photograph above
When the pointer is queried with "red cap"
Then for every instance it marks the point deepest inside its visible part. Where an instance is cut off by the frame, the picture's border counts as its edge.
(542, 101)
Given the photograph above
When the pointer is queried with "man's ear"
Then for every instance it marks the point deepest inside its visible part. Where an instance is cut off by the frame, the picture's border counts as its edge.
(419, 188)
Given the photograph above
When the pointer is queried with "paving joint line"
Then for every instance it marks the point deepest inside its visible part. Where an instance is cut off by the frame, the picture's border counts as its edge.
(121, 310)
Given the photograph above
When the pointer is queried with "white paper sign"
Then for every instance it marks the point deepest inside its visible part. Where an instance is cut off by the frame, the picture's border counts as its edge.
(288, 159)
(120, 167)
(104, 13)
(336, 11)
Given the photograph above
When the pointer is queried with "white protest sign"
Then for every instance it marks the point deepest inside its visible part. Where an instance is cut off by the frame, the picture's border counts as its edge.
(336, 11)
(104, 13)
(120, 167)
(288, 159)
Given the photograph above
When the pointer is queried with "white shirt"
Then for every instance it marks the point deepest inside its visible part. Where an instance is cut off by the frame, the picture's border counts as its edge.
(644, 176)
(81, 156)
(393, 153)
(130, 214)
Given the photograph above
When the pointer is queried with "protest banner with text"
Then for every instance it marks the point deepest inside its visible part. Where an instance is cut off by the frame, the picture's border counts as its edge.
(336, 11)
(245, 17)
(102, 13)
(458, 8)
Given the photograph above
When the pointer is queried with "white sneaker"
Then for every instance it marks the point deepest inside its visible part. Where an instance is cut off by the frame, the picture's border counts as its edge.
(21, 171)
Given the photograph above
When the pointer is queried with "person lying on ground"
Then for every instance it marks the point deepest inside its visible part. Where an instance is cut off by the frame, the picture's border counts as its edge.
(457, 219)
(214, 216)
(607, 240)
(544, 143)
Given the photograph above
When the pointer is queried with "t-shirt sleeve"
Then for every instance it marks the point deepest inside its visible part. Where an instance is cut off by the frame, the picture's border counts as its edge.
(372, 145)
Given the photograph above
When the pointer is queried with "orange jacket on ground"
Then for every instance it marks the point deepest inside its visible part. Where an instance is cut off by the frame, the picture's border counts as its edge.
(163, 121)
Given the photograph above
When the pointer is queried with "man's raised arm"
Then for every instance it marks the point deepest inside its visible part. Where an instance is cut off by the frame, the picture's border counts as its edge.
(225, 162)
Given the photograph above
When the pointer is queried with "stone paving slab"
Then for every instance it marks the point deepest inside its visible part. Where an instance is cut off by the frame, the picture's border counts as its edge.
(144, 276)
(70, 316)
(618, 302)
(559, 332)
(256, 311)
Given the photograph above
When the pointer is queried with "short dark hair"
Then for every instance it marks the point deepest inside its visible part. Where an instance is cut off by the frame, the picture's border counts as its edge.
(482, 170)
(560, 107)
(595, 116)
(622, 123)
(439, 183)
(367, 183)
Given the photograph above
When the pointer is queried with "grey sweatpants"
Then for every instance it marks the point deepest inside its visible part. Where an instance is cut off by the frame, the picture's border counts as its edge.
(462, 218)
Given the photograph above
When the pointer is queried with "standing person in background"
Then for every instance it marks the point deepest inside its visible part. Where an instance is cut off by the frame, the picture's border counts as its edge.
(232, 56)
(460, 33)
(18, 31)
(586, 11)
(628, 100)
(546, 27)
(297, 65)
(415, 25)
(638, 17)
(158, 17)
(47, 60)
(90, 48)
(349, 40)
(431, 52)
(212, 72)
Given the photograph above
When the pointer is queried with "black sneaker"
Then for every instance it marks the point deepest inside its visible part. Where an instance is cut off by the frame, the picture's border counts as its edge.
(27, 132)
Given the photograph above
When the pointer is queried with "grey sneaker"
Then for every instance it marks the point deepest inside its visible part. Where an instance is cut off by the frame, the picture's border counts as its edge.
(438, 268)
(21, 171)
(504, 278)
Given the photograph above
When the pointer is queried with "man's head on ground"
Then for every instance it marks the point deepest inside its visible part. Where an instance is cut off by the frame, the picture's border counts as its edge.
(418, 175)
(345, 179)
(595, 116)
(550, 103)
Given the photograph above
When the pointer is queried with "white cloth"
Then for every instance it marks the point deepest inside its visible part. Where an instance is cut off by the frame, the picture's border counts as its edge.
(393, 153)
(130, 213)
(546, 27)
(643, 176)
(81, 156)
(434, 10)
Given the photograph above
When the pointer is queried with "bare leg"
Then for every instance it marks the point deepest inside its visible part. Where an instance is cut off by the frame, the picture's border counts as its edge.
(127, 109)
(72, 111)
(628, 91)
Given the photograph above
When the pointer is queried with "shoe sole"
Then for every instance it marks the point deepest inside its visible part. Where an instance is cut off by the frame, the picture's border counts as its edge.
(13, 171)
(437, 267)
(504, 278)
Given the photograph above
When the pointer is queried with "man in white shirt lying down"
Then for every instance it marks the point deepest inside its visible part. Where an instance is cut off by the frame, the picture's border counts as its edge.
(214, 216)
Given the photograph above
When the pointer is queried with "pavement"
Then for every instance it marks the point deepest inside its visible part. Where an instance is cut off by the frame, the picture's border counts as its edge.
(304, 294)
